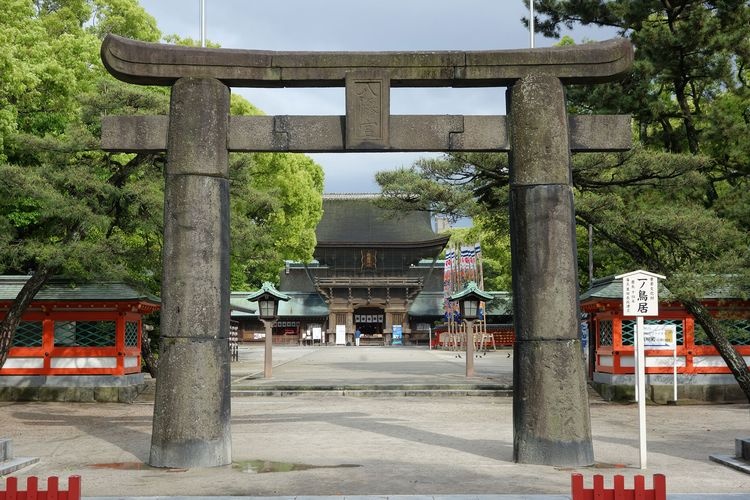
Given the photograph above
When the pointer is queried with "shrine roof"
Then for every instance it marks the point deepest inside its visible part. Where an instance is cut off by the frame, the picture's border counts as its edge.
(432, 304)
(300, 304)
(355, 219)
(611, 288)
(62, 289)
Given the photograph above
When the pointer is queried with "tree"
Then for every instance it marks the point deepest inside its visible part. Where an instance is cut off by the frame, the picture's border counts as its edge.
(68, 208)
(688, 92)
(651, 207)
(60, 200)
(276, 204)
(460, 185)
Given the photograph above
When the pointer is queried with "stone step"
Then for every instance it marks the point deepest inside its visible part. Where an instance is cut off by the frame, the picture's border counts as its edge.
(6, 449)
(742, 448)
(15, 464)
(741, 459)
(9, 464)
(258, 392)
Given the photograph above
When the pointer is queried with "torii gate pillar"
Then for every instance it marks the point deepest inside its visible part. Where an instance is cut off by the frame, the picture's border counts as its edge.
(192, 402)
(550, 403)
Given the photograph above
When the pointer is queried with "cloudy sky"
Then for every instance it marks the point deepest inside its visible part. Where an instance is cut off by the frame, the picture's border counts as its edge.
(375, 25)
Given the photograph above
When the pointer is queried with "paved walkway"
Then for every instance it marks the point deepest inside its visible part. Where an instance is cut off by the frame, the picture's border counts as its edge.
(320, 443)
(311, 368)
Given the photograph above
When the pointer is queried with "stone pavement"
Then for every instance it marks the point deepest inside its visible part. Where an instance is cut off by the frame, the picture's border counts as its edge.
(371, 371)
(322, 443)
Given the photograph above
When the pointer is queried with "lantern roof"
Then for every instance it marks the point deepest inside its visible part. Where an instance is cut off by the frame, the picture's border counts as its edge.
(268, 290)
(471, 290)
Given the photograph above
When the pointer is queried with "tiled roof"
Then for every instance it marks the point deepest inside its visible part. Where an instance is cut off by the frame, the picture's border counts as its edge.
(240, 306)
(611, 288)
(298, 305)
(64, 289)
(431, 304)
(355, 219)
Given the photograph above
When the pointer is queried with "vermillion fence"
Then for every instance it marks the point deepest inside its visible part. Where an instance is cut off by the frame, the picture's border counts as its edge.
(618, 491)
(32, 491)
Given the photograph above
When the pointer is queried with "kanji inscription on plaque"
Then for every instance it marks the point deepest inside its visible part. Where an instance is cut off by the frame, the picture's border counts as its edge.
(367, 109)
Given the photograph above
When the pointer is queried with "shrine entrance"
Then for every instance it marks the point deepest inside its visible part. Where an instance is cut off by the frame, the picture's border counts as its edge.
(370, 321)
(551, 415)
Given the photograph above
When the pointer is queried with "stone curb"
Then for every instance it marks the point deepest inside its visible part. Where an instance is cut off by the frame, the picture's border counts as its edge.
(673, 496)
(16, 464)
(371, 392)
(733, 462)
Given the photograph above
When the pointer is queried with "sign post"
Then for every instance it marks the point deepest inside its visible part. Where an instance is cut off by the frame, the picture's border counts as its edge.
(664, 337)
(640, 297)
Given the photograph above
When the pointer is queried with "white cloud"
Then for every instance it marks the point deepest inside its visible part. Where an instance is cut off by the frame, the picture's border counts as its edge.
(360, 26)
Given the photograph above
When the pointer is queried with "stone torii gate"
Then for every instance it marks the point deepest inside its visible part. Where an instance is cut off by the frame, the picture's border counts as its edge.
(192, 410)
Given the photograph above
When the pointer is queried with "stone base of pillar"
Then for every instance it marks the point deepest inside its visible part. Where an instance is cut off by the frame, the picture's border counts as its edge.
(192, 404)
(550, 404)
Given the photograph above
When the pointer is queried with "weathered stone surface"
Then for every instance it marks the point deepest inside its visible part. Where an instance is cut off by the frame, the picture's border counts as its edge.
(368, 108)
(550, 404)
(196, 257)
(192, 410)
(600, 133)
(551, 418)
(539, 132)
(198, 128)
(544, 262)
(191, 417)
(158, 64)
(137, 134)
(307, 134)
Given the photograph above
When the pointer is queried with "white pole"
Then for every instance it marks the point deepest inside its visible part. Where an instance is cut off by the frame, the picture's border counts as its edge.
(430, 338)
(674, 368)
(203, 22)
(636, 371)
(531, 22)
(641, 368)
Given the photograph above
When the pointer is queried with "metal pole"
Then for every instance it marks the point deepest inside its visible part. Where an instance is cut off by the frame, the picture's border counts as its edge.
(531, 23)
(267, 361)
(469, 347)
(641, 368)
(203, 22)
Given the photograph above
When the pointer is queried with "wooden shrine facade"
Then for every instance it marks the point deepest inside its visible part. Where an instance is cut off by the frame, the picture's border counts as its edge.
(68, 329)
(611, 350)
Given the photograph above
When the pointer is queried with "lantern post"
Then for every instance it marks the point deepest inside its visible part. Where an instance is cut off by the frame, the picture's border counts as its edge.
(268, 299)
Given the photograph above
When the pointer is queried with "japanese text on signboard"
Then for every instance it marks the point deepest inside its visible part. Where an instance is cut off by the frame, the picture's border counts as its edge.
(640, 295)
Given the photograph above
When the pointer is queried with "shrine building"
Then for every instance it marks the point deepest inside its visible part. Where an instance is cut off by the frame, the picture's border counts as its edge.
(373, 269)
(77, 342)
(702, 373)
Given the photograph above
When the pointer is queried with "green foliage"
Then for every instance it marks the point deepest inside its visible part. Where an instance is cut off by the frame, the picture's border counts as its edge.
(460, 185)
(124, 18)
(69, 206)
(276, 205)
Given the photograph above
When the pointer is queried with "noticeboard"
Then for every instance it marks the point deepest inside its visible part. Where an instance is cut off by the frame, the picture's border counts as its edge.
(659, 336)
(397, 335)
